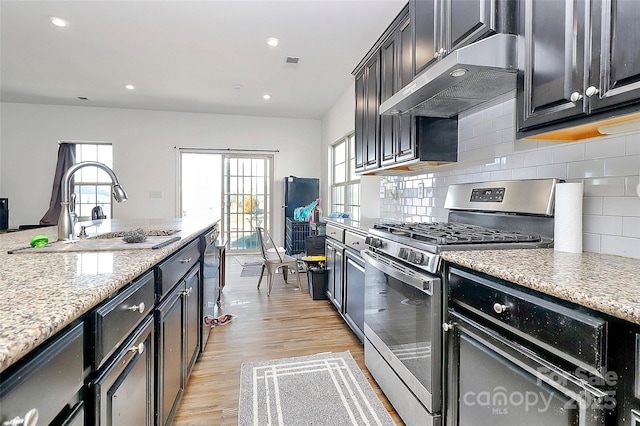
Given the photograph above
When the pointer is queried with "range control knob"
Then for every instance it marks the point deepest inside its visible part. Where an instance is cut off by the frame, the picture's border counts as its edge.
(373, 242)
(416, 257)
(403, 253)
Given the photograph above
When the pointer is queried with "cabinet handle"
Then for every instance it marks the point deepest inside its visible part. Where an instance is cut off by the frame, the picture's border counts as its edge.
(448, 326)
(29, 419)
(185, 260)
(138, 308)
(139, 348)
(575, 97)
(591, 90)
(500, 308)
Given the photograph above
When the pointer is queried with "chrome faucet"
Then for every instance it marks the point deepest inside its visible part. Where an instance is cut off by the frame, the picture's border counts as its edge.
(68, 218)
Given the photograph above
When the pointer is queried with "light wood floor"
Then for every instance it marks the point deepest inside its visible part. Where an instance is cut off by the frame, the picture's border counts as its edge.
(288, 323)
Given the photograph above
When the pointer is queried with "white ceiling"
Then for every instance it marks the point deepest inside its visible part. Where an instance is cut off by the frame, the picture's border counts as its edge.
(188, 55)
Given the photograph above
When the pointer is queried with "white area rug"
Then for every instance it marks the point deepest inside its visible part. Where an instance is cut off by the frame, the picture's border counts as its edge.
(323, 389)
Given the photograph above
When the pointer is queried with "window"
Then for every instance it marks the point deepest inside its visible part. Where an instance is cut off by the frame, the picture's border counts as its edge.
(345, 184)
(92, 186)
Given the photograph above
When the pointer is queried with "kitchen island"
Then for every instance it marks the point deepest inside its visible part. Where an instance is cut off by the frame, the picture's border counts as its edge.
(604, 283)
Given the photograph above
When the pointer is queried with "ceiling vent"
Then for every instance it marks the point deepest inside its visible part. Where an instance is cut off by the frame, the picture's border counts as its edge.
(292, 60)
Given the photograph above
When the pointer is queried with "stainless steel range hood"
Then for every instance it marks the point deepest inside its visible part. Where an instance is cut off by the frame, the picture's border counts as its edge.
(465, 78)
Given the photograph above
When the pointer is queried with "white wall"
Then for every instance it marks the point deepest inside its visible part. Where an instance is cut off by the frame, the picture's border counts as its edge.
(488, 151)
(144, 153)
(336, 124)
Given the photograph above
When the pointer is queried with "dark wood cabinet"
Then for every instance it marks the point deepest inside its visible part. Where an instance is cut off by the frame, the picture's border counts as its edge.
(354, 292)
(442, 26)
(367, 118)
(397, 139)
(580, 58)
(177, 324)
(124, 390)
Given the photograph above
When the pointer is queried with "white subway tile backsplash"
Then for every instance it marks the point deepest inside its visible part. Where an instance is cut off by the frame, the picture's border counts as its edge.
(621, 206)
(552, 171)
(622, 166)
(585, 169)
(609, 167)
(592, 205)
(631, 227)
(605, 147)
(621, 246)
(591, 242)
(568, 152)
(610, 225)
(606, 187)
(537, 158)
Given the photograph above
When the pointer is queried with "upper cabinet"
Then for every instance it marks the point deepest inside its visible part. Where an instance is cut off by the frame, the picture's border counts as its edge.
(367, 119)
(442, 26)
(580, 58)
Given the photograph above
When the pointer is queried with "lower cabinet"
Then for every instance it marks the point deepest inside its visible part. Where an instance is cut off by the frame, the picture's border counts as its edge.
(124, 389)
(177, 326)
(26, 393)
(333, 252)
(354, 292)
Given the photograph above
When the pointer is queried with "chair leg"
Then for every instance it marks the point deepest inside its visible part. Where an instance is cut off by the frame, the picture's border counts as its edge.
(270, 282)
(261, 273)
(298, 277)
(285, 273)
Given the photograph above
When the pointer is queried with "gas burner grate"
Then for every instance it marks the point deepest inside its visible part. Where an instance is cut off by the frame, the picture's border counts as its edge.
(447, 233)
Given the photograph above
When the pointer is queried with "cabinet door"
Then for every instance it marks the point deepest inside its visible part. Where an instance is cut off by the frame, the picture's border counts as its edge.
(425, 16)
(192, 323)
(360, 121)
(615, 55)
(468, 21)
(337, 276)
(388, 87)
(554, 65)
(170, 354)
(406, 145)
(354, 293)
(329, 254)
(124, 390)
(372, 117)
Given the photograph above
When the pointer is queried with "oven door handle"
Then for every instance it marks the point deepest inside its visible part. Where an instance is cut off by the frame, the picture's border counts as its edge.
(422, 282)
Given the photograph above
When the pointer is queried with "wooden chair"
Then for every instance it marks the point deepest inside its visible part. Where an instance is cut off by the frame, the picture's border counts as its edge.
(274, 258)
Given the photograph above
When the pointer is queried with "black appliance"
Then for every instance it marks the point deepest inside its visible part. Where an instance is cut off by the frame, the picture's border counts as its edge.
(4, 213)
(298, 192)
(404, 302)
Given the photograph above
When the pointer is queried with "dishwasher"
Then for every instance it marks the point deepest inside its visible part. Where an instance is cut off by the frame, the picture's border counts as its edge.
(512, 362)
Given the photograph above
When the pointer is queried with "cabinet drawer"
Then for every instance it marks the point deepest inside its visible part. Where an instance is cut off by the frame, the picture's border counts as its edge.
(48, 382)
(117, 318)
(124, 391)
(573, 335)
(173, 269)
(335, 232)
(354, 241)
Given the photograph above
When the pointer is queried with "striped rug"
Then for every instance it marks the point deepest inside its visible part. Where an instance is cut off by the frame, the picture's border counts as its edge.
(323, 389)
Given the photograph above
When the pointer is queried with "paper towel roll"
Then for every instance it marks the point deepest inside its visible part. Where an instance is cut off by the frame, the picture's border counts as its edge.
(568, 217)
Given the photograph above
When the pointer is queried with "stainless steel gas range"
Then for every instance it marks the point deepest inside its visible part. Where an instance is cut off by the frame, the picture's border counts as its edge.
(403, 283)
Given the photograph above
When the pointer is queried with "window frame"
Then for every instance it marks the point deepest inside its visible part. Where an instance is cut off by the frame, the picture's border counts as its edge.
(351, 179)
(79, 178)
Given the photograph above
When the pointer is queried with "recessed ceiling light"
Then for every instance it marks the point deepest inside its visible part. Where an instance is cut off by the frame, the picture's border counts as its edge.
(129, 87)
(266, 97)
(238, 86)
(58, 22)
(273, 42)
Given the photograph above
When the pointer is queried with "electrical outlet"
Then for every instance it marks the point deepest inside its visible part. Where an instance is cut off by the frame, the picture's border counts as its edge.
(421, 190)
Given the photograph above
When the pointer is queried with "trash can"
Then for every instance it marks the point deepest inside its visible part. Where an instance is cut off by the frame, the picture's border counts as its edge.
(317, 282)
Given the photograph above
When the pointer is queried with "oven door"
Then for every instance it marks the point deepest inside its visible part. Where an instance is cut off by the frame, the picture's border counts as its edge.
(493, 381)
(402, 321)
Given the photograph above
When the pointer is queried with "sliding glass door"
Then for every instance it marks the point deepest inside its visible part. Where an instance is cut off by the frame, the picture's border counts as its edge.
(235, 188)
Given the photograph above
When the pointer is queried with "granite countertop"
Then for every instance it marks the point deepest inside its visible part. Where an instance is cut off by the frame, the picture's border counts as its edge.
(360, 226)
(40, 293)
(605, 283)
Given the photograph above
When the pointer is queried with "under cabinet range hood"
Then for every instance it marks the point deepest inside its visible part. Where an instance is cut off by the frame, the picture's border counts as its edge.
(465, 78)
